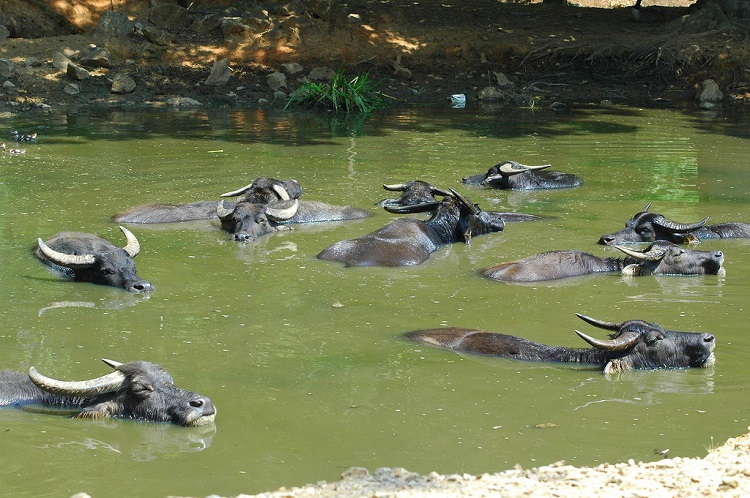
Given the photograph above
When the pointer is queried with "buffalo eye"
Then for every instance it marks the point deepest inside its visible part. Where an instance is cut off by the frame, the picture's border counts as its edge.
(107, 271)
(653, 339)
(141, 388)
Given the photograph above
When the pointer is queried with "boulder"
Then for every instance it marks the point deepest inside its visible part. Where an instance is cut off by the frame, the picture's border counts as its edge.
(122, 83)
(709, 94)
(169, 16)
(95, 57)
(321, 74)
(77, 72)
(220, 74)
(60, 61)
(276, 81)
(113, 23)
(292, 68)
(6, 68)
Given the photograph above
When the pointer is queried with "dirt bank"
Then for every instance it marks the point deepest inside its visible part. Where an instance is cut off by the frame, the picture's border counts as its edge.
(552, 54)
(724, 472)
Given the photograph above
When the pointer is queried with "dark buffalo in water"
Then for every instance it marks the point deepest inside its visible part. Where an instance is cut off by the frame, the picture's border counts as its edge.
(418, 196)
(510, 175)
(261, 191)
(648, 227)
(85, 257)
(137, 390)
(660, 258)
(408, 241)
(633, 345)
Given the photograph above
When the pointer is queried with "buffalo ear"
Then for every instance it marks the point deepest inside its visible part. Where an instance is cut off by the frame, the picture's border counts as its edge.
(685, 238)
(96, 412)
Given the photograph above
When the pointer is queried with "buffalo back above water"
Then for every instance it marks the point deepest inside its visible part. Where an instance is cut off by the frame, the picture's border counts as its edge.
(660, 258)
(647, 226)
(407, 242)
(633, 345)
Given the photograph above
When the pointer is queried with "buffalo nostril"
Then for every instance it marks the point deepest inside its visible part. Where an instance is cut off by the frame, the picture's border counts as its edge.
(606, 240)
(719, 254)
(196, 403)
(709, 338)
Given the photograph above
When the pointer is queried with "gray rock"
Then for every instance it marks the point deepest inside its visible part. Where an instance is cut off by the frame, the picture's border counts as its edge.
(292, 68)
(6, 68)
(220, 74)
(169, 16)
(32, 62)
(72, 89)
(60, 61)
(502, 80)
(709, 94)
(9, 87)
(77, 72)
(490, 93)
(95, 57)
(4, 33)
(183, 102)
(233, 26)
(157, 36)
(276, 81)
(122, 83)
(206, 24)
(113, 23)
(321, 74)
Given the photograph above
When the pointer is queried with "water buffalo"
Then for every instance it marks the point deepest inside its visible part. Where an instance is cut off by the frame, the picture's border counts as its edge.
(261, 191)
(409, 242)
(418, 196)
(633, 345)
(85, 257)
(510, 175)
(137, 390)
(660, 258)
(648, 227)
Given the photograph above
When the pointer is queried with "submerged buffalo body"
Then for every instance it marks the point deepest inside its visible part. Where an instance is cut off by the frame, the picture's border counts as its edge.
(660, 258)
(648, 227)
(633, 345)
(137, 390)
(85, 257)
(418, 196)
(410, 242)
(510, 175)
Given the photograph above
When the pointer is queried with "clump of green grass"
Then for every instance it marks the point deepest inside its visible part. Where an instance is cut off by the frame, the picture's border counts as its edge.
(358, 94)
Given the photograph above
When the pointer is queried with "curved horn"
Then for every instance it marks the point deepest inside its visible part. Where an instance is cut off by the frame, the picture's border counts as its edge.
(439, 191)
(679, 227)
(281, 192)
(646, 208)
(68, 260)
(472, 207)
(508, 169)
(112, 363)
(621, 343)
(132, 247)
(599, 323)
(282, 213)
(395, 187)
(221, 211)
(84, 388)
(650, 254)
(239, 191)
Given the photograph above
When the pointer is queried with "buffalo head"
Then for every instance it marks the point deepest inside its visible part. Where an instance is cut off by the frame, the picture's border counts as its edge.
(649, 227)
(247, 221)
(666, 258)
(87, 258)
(416, 197)
(137, 390)
(266, 190)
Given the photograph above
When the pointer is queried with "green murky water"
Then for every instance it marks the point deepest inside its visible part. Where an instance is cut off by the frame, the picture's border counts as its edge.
(306, 389)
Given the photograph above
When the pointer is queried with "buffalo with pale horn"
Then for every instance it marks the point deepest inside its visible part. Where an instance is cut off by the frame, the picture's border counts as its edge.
(418, 196)
(85, 257)
(648, 227)
(136, 390)
(407, 242)
(633, 345)
(660, 258)
(511, 175)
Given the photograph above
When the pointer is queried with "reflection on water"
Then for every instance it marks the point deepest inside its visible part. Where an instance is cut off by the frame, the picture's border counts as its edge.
(306, 361)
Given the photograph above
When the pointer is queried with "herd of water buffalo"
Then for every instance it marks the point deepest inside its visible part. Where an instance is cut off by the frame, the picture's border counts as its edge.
(141, 390)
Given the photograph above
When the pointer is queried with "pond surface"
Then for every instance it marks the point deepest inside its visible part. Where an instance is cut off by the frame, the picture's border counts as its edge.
(305, 360)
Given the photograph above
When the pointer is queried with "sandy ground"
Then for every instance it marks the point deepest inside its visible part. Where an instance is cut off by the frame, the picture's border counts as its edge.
(724, 472)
